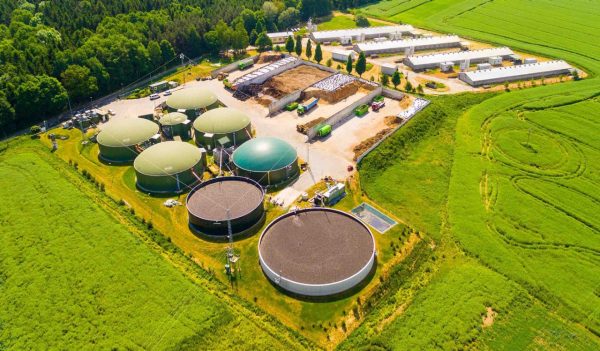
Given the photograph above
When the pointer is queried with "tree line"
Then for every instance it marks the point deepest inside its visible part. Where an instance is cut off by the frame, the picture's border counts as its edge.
(53, 53)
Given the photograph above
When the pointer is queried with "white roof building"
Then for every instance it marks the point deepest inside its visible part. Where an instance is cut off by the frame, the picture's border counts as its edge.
(279, 37)
(396, 46)
(421, 62)
(359, 34)
(342, 55)
(513, 73)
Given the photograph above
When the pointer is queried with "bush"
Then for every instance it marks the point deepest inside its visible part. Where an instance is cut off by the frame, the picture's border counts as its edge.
(328, 62)
(35, 129)
(362, 21)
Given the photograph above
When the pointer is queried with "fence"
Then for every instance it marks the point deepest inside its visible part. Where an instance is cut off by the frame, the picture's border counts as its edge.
(231, 67)
(344, 114)
(281, 103)
(404, 121)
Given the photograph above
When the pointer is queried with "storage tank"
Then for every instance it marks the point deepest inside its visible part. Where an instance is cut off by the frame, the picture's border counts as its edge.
(239, 199)
(169, 167)
(222, 126)
(316, 252)
(121, 140)
(175, 124)
(191, 101)
(269, 161)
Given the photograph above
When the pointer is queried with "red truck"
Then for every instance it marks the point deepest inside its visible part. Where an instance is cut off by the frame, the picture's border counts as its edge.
(377, 105)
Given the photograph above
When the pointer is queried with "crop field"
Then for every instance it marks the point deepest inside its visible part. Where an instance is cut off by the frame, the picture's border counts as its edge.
(73, 277)
(510, 181)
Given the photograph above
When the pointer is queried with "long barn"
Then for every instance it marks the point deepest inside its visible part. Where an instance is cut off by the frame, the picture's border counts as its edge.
(397, 46)
(361, 34)
(514, 73)
(422, 62)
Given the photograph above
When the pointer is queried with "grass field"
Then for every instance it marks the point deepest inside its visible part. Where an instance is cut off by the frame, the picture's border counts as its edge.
(511, 182)
(344, 21)
(73, 277)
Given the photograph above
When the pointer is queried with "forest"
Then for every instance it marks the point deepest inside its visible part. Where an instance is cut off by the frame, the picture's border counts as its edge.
(53, 53)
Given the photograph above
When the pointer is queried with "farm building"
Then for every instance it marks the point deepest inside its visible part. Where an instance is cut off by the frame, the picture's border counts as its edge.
(446, 66)
(388, 68)
(495, 60)
(222, 126)
(168, 167)
(237, 199)
(269, 161)
(431, 61)
(486, 65)
(397, 46)
(513, 73)
(316, 252)
(342, 55)
(361, 34)
(279, 37)
(175, 124)
(122, 139)
(191, 101)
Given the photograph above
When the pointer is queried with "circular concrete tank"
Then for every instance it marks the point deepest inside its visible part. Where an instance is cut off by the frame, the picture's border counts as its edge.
(168, 167)
(222, 126)
(269, 161)
(209, 202)
(316, 252)
(119, 139)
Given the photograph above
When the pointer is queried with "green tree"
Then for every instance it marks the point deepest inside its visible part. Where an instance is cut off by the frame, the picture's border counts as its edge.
(362, 21)
(168, 53)
(154, 53)
(288, 18)
(79, 82)
(319, 54)
(408, 86)
(396, 79)
(420, 89)
(298, 47)
(385, 80)
(361, 64)
(263, 42)
(349, 64)
(308, 51)
(7, 114)
(249, 18)
(240, 39)
(253, 36)
(289, 45)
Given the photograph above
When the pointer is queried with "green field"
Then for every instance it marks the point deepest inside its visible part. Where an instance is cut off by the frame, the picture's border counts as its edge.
(73, 277)
(511, 182)
(341, 21)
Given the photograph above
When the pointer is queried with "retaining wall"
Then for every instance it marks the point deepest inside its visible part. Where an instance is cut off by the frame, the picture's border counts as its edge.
(392, 94)
(281, 103)
(345, 114)
(231, 67)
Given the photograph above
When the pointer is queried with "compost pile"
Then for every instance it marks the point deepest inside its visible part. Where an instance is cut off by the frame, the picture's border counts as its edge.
(367, 143)
(291, 80)
(304, 128)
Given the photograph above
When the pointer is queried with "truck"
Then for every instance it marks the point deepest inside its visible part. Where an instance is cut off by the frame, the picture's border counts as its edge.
(324, 130)
(306, 106)
(377, 105)
(292, 106)
(243, 64)
(361, 110)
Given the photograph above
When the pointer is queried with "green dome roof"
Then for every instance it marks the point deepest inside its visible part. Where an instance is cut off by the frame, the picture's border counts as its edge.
(126, 132)
(264, 154)
(191, 99)
(168, 158)
(221, 120)
(173, 118)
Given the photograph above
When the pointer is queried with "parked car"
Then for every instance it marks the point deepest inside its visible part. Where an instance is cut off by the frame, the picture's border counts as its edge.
(167, 93)
(111, 112)
(154, 96)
